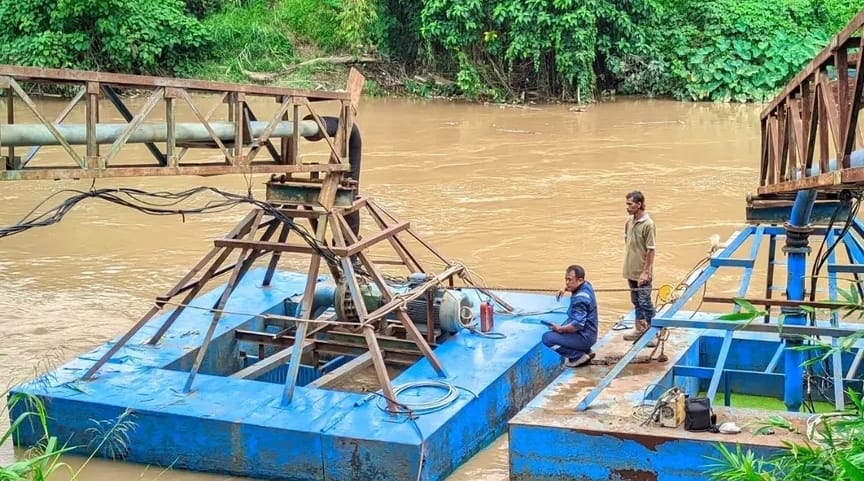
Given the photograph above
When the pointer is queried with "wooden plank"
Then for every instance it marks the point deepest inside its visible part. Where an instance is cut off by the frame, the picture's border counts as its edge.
(356, 82)
(276, 246)
(351, 367)
(271, 362)
(377, 237)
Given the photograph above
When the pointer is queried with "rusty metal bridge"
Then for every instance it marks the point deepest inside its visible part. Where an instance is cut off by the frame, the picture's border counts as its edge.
(811, 173)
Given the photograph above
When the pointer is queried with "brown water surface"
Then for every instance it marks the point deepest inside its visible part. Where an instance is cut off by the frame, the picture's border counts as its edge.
(516, 194)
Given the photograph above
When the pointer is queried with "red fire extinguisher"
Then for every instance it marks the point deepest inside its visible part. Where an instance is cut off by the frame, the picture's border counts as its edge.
(487, 313)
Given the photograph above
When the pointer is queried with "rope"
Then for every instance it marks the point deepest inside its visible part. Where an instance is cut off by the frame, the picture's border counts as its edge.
(544, 289)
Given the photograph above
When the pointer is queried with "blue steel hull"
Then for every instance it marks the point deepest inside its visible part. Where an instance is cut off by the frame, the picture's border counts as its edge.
(240, 427)
(549, 440)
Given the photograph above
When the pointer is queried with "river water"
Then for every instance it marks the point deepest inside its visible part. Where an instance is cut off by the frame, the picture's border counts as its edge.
(517, 194)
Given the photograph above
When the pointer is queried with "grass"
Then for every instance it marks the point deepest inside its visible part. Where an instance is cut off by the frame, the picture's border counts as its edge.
(245, 38)
(253, 37)
(110, 438)
(763, 402)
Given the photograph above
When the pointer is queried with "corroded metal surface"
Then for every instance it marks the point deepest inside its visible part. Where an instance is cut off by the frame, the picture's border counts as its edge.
(234, 130)
(810, 131)
(549, 438)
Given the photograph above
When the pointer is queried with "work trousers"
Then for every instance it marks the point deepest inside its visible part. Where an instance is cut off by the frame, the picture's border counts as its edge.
(571, 346)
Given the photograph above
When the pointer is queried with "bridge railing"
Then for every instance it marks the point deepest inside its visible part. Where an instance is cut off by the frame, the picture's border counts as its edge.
(810, 130)
(235, 131)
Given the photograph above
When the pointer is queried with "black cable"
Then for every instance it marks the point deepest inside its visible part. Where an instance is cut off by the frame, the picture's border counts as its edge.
(160, 203)
(822, 257)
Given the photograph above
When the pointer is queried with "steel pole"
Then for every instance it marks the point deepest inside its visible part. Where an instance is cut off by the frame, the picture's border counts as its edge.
(14, 135)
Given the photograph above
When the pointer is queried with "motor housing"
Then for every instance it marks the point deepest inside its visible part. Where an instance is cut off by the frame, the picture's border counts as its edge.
(452, 309)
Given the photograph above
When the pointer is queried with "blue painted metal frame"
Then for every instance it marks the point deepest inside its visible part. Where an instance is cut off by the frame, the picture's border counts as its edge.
(736, 242)
(725, 258)
(240, 426)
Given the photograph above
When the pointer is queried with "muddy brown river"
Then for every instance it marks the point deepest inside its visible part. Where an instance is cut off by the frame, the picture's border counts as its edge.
(517, 194)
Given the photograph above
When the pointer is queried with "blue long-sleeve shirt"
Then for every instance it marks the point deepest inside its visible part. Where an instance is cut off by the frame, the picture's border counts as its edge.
(582, 312)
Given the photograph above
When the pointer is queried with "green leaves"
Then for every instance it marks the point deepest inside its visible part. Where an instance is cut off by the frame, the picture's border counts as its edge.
(133, 36)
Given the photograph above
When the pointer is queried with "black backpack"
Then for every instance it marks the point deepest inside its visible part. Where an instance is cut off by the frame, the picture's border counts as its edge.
(698, 415)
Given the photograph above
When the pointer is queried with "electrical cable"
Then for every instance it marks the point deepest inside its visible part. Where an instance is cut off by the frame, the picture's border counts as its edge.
(160, 203)
(450, 396)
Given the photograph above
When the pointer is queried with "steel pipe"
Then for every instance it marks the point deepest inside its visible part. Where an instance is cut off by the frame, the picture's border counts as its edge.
(15, 135)
(796, 251)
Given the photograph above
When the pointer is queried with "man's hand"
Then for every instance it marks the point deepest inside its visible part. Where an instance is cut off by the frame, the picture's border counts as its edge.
(554, 327)
(560, 293)
(644, 278)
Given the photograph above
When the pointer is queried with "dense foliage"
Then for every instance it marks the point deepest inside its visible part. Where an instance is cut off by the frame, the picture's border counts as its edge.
(135, 36)
(725, 50)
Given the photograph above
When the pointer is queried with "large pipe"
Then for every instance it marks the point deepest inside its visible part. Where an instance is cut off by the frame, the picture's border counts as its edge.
(15, 135)
(856, 159)
(796, 248)
(355, 150)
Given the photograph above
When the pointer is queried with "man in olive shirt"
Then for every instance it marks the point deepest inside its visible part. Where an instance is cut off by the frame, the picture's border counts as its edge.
(639, 239)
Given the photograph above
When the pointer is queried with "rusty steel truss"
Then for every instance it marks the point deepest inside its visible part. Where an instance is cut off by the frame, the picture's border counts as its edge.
(319, 195)
(95, 89)
(810, 130)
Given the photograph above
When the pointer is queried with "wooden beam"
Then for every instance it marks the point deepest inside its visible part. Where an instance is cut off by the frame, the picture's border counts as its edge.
(270, 246)
(377, 237)
(270, 363)
(350, 367)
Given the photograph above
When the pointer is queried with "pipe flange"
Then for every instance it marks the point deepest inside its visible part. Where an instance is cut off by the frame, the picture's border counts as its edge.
(787, 249)
(796, 229)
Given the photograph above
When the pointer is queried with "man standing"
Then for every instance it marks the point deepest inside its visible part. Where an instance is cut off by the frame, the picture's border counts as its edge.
(573, 339)
(639, 239)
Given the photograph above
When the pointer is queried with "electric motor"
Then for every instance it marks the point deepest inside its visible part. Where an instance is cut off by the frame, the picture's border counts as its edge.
(452, 309)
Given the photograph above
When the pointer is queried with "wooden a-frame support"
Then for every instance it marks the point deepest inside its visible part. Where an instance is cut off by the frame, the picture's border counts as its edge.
(322, 214)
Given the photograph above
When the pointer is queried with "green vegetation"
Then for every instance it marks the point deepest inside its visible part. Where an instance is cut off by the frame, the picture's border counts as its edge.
(501, 50)
(762, 402)
(834, 446)
(834, 451)
(110, 438)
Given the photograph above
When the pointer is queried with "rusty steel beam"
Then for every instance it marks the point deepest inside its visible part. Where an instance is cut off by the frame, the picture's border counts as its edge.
(239, 137)
(51, 75)
(59, 173)
(814, 106)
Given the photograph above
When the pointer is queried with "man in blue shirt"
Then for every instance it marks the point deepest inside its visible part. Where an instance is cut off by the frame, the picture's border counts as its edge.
(573, 339)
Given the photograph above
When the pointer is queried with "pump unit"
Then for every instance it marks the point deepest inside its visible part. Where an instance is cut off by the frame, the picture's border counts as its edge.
(452, 309)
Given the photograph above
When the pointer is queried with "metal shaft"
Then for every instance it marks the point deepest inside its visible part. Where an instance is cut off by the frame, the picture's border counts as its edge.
(14, 135)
